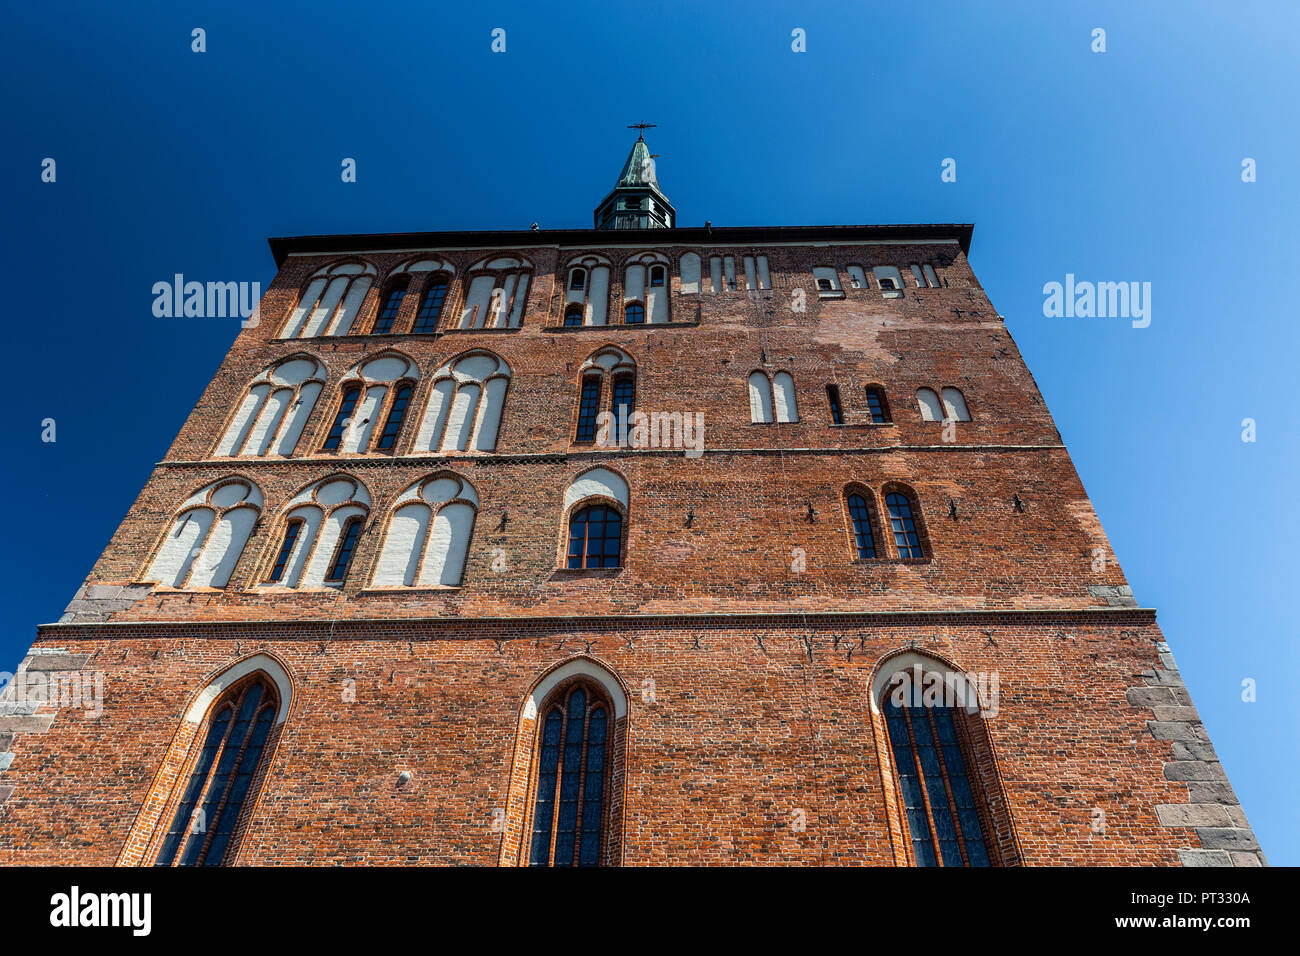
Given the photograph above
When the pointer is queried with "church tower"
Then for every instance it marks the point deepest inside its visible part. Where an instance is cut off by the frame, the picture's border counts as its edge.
(392, 598)
(636, 202)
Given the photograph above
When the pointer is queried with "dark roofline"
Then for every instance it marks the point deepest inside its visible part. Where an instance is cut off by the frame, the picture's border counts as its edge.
(690, 236)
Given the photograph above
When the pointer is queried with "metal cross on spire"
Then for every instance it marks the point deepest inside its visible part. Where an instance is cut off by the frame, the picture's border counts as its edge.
(642, 127)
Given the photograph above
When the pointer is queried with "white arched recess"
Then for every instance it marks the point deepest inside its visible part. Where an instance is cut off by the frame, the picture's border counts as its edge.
(428, 534)
(637, 287)
(577, 667)
(598, 482)
(375, 377)
(331, 301)
(689, 268)
(207, 536)
(324, 509)
(497, 294)
(593, 291)
(268, 665)
(463, 412)
(279, 401)
(966, 690)
(931, 410)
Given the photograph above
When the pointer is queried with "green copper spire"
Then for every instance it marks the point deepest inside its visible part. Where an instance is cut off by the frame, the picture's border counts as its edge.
(636, 201)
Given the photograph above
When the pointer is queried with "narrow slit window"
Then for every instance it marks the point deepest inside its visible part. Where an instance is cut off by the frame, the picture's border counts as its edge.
(346, 406)
(860, 514)
(291, 532)
(390, 306)
(588, 406)
(338, 569)
(833, 396)
(396, 415)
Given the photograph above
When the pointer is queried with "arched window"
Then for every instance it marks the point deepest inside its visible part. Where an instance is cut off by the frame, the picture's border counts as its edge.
(772, 399)
(498, 294)
(890, 280)
(877, 405)
(428, 534)
(466, 402)
(331, 301)
(375, 391)
(578, 279)
(573, 755)
(954, 406)
(390, 304)
(828, 282)
(596, 503)
(431, 303)
(573, 315)
(319, 535)
(272, 415)
(931, 410)
(640, 286)
(207, 536)
(903, 525)
(223, 776)
(634, 313)
(607, 379)
(862, 520)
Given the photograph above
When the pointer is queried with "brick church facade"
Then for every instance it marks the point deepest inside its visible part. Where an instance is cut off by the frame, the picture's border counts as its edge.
(609, 547)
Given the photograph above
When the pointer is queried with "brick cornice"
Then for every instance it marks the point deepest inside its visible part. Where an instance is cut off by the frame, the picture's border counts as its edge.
(310, 630)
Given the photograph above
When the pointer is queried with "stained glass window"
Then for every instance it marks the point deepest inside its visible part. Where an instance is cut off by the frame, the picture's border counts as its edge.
(936, 790)
(219, 783)
(568, 814)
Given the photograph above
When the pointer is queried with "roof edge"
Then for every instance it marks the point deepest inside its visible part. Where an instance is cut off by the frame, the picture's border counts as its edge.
(282, 247)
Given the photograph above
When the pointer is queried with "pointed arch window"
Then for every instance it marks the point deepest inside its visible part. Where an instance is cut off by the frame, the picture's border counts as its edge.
(223, 776)
(465, 406)
(570, 810)
(428, 535)
(331, 301)
(497, 295)
(645, 284)
(772, 398)
(937, 795)
(322, 527)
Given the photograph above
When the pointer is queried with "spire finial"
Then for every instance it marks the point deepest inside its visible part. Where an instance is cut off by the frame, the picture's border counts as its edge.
(642, 127)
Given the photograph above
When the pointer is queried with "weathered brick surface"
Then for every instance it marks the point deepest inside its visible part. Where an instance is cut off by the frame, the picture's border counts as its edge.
(760, 661)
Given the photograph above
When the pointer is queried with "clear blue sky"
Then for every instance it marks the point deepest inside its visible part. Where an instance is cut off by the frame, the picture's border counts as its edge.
(1117, 166)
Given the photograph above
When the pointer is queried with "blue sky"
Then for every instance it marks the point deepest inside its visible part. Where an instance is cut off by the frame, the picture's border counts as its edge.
(1123, 165)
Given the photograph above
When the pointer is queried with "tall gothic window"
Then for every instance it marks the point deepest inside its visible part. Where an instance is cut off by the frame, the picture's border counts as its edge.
(570, 810)
(588, 406)
(222, 777)
(465, 404)
(936, 790)
(372, 406)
